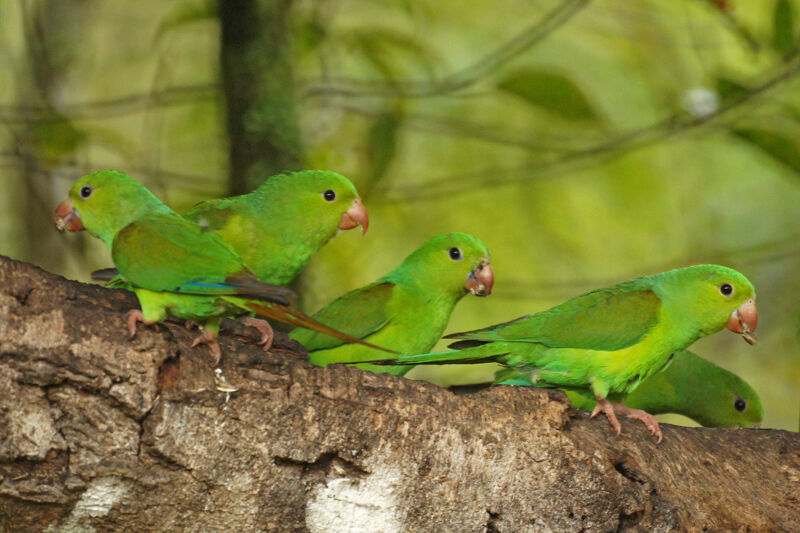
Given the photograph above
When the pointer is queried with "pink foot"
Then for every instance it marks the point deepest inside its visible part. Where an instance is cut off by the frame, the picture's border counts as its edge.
(209, 338)
(263, 327)
(189, 324)
(134, 316)
(605, 407)
(649, 420)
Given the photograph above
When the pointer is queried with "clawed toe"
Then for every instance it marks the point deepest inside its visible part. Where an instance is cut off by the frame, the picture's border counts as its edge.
(646, 418)
(134, 316)
(263, 327)
(605, 407)
(210, 339)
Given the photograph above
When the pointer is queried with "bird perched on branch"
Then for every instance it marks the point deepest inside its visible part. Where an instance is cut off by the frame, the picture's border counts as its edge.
(406, 310)
(688, 386)
(174, 267)
(610, 340)
(276, 229)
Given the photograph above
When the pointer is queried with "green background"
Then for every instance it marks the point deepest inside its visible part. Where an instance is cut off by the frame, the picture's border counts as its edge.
(585, 142)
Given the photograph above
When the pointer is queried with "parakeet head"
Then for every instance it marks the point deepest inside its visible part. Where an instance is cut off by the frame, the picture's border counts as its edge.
(452, 263)
(736, 404)
(710, 297)
(703, 391)
(103, 203)
(326, 200)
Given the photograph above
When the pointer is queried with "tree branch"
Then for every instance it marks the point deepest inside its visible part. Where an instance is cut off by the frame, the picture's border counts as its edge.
(116, 435)
(124, 105)
(538, 168)
(460, 79)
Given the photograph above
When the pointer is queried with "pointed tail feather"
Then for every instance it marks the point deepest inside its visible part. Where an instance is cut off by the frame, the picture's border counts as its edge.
(111, 278)
(297, 318)
(440, 358)
(244, 287)
(247, 285)
(105, 274)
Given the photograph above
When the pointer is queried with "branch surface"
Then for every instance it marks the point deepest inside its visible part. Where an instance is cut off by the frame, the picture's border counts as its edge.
(117, 435)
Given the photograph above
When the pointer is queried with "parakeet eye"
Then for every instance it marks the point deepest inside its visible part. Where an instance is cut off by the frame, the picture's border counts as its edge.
(455, 254)
(86, 192)
(726, 289)
(740, 405)
(329, 195)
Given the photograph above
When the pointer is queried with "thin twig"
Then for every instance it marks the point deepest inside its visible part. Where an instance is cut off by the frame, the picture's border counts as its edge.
(457, 127)
(677, 123)
(462, 78)
(114, 107)
(763, 252)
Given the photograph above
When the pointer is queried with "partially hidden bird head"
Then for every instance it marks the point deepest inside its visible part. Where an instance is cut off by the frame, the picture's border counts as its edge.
(452, 263)
(705, 392)
(739, 405)
(326, 200)
(713, 297)
(103, 203)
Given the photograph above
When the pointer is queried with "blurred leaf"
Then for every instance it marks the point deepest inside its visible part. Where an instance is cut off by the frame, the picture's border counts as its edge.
(382, 144)
(729, 19)
(550, 91)
(185, 14)
(113, 140)
(783, 27)
(378, 46)
(728, 89)
(782, 148)
(309, 35)
(56, 137)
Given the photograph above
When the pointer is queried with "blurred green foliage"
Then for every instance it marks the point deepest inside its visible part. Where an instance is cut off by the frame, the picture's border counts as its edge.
(586, 142)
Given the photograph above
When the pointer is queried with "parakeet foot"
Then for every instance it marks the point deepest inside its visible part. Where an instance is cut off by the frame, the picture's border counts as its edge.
(134, 316)
(190, 324)
(210, 338)
(263, 327)
(605, 407)
(637, 414)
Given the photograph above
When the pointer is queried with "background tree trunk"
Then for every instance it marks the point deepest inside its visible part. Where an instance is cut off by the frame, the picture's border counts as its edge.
(117, 435)
(258, 84)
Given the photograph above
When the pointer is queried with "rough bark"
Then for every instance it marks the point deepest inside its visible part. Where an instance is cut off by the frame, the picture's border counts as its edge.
(100, 433)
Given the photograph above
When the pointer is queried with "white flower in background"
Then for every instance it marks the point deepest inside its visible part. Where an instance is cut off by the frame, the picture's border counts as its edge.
(701, 101)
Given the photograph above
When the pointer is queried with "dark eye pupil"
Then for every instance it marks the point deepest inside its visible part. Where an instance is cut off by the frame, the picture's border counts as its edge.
(329, 195)
(455, 254)
(740, 405)
(726, 289)
(86, 191)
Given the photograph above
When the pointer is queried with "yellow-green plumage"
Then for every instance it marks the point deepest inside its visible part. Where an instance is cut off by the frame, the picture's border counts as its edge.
(688, 386)
(406, 310)
(608, 341)
(277, 228)
(174, 266)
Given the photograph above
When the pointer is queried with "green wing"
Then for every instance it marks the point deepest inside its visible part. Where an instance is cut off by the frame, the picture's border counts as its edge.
(215, 214)
(167, 253)
(358, 313)
(606, 319)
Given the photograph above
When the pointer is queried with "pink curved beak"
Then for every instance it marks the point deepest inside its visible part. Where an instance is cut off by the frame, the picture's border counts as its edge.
(355, 216)
(744, 321)
(66, 218)
(480, 281)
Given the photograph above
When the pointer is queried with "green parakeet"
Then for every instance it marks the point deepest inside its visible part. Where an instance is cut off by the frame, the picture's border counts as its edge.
(610, 340)
(277, 228)
(689, 386)
(407, 309)
(174, 267)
